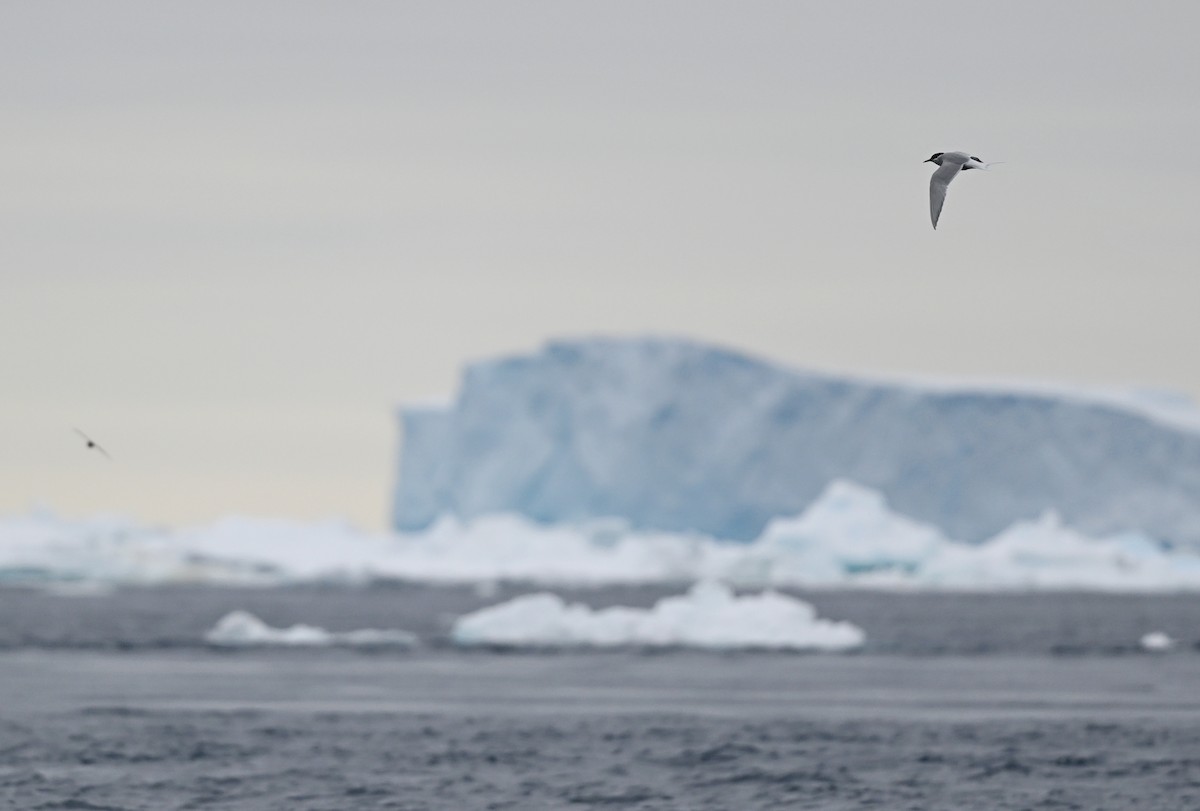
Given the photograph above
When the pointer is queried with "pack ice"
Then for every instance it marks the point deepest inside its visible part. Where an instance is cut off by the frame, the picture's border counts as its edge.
(677, 436)
(849, 537)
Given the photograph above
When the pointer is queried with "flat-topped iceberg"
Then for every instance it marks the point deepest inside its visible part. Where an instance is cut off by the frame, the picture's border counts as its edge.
(671, 435)
(709, 616)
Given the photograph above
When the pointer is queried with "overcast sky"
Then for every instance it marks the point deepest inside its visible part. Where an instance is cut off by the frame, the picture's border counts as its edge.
(234, 235)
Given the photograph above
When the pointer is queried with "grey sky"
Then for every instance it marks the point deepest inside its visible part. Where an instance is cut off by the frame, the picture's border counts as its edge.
(235, 235)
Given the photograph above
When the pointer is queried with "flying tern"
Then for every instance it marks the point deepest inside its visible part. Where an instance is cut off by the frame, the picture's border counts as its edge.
(949, 165)
(92, 444)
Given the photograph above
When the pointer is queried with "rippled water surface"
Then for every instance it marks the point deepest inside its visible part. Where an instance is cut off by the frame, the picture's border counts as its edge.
(923, 624)
(959, 701)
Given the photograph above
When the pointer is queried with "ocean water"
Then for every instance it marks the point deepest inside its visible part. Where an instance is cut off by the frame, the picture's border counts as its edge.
(113, 701)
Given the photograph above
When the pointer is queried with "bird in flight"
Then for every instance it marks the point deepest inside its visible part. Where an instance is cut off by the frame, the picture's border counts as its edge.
(92, 444)
(949, 165)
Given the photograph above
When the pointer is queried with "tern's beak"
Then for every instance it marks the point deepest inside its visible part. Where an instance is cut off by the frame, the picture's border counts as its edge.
(927, 160)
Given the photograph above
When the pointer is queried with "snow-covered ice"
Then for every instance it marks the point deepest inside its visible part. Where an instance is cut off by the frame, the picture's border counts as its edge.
(709, 616)
(849, 537)
(241, 629)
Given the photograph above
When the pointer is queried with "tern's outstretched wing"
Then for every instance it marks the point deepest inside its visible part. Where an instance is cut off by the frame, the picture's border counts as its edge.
(937, 188)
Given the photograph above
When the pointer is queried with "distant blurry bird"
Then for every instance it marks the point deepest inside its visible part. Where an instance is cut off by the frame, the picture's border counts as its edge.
(950, 163)
(91, 444)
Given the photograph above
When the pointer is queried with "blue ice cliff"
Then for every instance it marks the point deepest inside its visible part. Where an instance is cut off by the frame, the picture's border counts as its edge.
(676, 435)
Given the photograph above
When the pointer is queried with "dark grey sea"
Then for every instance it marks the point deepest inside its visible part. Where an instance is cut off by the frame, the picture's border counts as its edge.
(1035, 701)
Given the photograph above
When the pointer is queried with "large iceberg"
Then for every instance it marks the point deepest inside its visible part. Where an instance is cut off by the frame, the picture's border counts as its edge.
(676, 436)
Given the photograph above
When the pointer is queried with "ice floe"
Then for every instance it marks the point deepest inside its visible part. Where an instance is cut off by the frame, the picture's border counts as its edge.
(241, 629)
(1157, 642)
(709, 616)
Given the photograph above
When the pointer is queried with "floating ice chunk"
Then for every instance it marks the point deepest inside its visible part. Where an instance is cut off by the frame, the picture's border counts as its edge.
(848, 531)
(1157, 642)
(708, 616)
(377, 638)
(1044, 554)
(241, 629)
